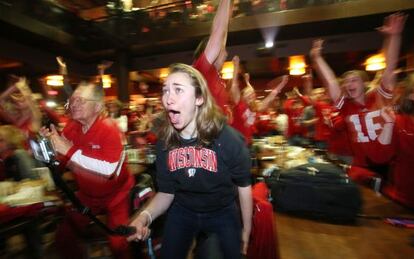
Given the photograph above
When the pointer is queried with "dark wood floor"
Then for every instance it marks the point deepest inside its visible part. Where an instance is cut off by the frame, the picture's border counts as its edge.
(301, 238)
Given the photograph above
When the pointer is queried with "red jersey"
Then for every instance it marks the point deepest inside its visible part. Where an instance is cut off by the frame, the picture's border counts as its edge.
(338, 142)
(98, 162)
(216, 84)
(363, 123)
(400, 181)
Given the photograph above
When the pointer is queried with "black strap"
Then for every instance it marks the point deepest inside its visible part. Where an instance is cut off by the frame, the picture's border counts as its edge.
(118, 231)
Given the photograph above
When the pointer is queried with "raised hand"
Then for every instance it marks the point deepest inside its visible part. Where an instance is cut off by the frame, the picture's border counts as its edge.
(236, 62)
(247, 77)
(393, 24)
(23, 86)
(62, 66)
(103, 66)
(316, 49)
(282, 84)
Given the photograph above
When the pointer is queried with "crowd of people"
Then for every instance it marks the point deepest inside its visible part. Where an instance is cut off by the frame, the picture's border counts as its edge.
(202, 130)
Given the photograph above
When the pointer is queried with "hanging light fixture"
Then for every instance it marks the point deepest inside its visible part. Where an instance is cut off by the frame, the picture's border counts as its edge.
(375, 62)
(297, 65)
(227, 70)
(54, 80)
(163, 72)
(106, 81)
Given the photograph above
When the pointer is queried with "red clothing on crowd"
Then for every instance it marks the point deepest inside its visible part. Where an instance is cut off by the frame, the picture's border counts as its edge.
(338, 143)
(216, 84)
(264, 124)
(98, 164)
(399, 182)
(363, 123)
(244, 120)
(241, 116)
(322, 130)
(294, 115)
(263, 241)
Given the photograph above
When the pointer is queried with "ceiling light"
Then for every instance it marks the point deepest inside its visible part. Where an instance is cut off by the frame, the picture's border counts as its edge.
(54, 80)
(375, 62)
(269, 44)
(164, 73)
(227, 70)
(106, 81)
(297, 65)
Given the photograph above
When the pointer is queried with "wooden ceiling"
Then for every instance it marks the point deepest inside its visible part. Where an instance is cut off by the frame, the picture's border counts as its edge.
(35, 31)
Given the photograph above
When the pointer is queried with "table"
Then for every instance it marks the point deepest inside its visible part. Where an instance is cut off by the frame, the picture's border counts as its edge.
(29, 220)
(14, 215)
(301, 238)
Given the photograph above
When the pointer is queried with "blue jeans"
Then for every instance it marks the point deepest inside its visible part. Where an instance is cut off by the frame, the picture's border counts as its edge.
(183, 225)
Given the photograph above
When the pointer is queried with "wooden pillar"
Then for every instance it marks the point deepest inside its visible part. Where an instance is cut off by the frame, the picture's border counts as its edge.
(122, 75)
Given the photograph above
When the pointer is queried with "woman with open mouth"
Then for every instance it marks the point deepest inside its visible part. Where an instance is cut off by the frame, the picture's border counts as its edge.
(203, 165)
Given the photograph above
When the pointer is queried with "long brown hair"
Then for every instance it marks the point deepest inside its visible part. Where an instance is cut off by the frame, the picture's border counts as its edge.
(209, 118)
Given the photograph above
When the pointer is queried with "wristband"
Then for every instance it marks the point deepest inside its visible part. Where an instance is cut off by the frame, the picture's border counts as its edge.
(148, 214)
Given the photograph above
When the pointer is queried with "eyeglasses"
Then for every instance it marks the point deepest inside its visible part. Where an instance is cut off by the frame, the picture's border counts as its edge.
(79, 101)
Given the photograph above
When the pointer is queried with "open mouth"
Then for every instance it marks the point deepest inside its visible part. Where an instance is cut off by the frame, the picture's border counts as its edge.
(351, 92)
(174, 116)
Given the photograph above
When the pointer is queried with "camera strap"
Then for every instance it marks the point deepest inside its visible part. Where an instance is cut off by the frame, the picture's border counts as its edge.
(57, 177)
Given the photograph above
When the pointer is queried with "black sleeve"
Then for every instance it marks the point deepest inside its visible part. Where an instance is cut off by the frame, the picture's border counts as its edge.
(164, 178)
(236, 155)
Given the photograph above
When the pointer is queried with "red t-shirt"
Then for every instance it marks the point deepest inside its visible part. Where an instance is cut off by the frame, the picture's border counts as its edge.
(216, 84)
(244, 120)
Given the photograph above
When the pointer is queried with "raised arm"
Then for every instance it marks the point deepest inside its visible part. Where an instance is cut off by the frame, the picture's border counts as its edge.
(218, 36)
(324, 71)
(392, 28)
(235, 88)
(5, 112)
(307, 84)
(272, 95)
(63, 70)
(34, 111)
